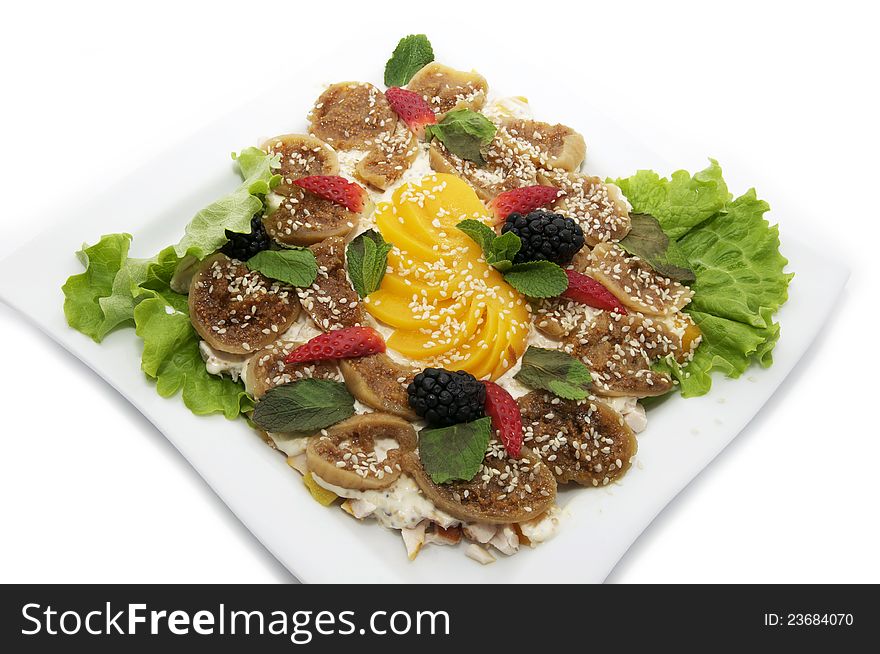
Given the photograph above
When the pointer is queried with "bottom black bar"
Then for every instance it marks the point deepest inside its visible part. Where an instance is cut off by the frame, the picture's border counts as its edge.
(277, 618)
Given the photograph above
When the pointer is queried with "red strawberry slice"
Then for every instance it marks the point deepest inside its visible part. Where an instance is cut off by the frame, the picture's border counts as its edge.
(412, 108)
(345, 343)
(587, 290)
(336, 189)
(506, 418)
(522, 200)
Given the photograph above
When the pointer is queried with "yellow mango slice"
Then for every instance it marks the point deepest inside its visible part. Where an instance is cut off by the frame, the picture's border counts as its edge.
(446, 304)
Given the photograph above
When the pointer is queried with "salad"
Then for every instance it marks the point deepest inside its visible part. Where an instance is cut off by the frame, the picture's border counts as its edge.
(427, 306)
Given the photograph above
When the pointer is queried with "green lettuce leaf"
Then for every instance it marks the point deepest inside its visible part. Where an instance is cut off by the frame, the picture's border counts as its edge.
(103, 297)
(737, 262)
(680, 203)
(728, 346)
(171, 357)
(206, 232)
(740, 278)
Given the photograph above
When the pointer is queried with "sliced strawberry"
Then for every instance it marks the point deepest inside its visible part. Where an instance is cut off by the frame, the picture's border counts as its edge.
(346, 343)
(412, 108)
(506, 418)
(522, 200)
(587, 290)
(336, 189)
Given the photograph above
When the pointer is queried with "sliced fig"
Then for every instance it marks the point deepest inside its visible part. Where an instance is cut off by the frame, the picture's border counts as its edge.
(505, 169)
(506, 490)
(363, 452)
(446, 89)
(635, 283)
(238, 310)
(380, 382)
(556, 317)
(300, 155)
(549, 146)
(619, 351)
(331, 301)
(267, 369)
(352, 115)
(599, 208)
(585, 441)
(302, 218)
(390, 157)
(295, 216)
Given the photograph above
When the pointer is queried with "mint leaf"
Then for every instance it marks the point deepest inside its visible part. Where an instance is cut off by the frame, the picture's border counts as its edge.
(537, 278)
(412, 53)
(304, 405)
(367, 259)
(555, 371)
(295, 266)
(206, 232)
(498, 251)
(463, 132)
(455, 452)
(647, 240)
(480, 233)
(502, 251)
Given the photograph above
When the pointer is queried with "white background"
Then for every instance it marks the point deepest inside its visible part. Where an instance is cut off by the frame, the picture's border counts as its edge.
(784, 95)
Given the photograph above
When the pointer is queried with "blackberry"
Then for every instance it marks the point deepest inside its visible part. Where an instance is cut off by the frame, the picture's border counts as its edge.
(545, 235)
(244, 246)
(446, 398)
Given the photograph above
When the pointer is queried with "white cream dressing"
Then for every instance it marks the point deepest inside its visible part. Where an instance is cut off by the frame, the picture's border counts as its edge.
(508, 107)
(290, 444)
(544, 527)
(401, 505)
(223, 363)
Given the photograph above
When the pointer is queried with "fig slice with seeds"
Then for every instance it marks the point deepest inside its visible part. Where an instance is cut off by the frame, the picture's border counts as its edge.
(503, 170)
(301, 218)
(446, 89)
(363, 452)
(619, 351)
(300, 155)
(238, 310)
(352, 115)
(267, 369)
(331, 301)
(296, 216)
(635, 283)
(388, 159)
(548, 146)
(380, 382)
(585, 441)
(526, 490)
(598, 207)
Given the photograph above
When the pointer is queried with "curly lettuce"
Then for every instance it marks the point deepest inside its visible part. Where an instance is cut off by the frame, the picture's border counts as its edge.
(171, 357)
(102, 297)
(681, 202)
(116, 291)
(206, 232)
(740, 273)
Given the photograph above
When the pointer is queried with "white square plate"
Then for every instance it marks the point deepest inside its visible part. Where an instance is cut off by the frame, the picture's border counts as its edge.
(323, 545)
